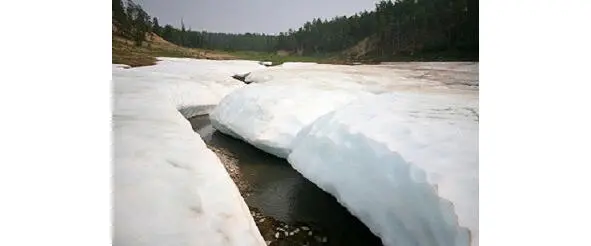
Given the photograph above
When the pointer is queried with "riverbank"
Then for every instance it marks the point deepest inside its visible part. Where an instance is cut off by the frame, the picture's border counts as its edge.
(275, 232)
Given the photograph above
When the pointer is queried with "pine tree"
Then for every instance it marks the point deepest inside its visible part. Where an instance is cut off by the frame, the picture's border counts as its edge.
(139, 22)
(156, 27)
(182, 37)
(119, 17)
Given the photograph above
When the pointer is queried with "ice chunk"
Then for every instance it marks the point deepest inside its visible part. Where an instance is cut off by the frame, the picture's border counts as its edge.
(269, 116)
(115, 66)
(405, 164)
(169, 188)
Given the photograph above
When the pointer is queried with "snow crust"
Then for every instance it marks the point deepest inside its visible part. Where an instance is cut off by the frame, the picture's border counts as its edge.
(397, 144)
(196, 86)
(405, 164)
(115, 66)
(168, 187)
(375, 78)
(283, 99)
(269, 116)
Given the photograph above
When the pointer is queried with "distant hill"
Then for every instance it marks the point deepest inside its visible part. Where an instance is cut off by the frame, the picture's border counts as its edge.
(124, 51)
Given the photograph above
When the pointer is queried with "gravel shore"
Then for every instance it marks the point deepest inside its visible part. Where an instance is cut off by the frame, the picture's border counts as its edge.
(275, 232)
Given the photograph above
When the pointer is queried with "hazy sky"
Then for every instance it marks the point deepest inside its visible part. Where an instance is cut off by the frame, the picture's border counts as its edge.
(239, 16)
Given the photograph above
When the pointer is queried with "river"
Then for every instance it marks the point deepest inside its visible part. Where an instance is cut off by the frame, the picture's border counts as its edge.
(280, 192)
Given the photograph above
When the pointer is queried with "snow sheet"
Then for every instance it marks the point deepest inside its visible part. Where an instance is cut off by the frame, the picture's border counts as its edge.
(182, 78)
(266, 63)
(405, 164)
(283, 99)
(269, 116)
(168, 187)
(375, 78)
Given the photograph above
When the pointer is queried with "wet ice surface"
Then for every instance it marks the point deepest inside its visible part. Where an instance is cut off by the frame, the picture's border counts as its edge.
(449, 73)
(386, 77)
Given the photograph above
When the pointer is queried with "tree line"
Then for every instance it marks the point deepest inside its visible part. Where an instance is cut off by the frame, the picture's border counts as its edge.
(424, 26)
(402, 27)
(217, 41)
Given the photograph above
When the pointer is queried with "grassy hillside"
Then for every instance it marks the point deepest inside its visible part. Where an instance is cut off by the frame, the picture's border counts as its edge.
(278, 59)
(125, 52)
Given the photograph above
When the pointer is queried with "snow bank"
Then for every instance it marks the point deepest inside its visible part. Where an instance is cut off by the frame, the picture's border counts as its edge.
(285, 98)
(169, 188)
(297, 64)
(405, 164)
(266, 63)
(269, 116)
(115, 66)
(181, 78)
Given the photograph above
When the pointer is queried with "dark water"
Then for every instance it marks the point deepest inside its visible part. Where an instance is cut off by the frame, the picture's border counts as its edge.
(281, 192)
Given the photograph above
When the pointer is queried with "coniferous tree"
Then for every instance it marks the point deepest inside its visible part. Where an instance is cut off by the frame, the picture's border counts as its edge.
(182, 35)
(139, 22)
(118, 11)
(119, 17)
(156, 27)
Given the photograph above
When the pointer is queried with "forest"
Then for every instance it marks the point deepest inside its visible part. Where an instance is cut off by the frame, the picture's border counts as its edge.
(403, 28)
